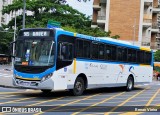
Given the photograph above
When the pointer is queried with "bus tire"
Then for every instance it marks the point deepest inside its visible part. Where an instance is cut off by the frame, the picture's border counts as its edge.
(46, 91)
(130, 84)
(78, 87)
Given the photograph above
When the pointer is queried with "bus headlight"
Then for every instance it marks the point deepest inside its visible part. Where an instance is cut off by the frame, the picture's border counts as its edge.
(46, 77)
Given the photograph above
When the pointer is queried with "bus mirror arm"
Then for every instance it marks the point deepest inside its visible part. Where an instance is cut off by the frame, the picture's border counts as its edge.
(12, 56)
(11, 46)
(13, 42)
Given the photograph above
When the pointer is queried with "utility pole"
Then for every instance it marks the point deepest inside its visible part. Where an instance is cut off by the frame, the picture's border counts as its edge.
(24, 11)
(14, 39)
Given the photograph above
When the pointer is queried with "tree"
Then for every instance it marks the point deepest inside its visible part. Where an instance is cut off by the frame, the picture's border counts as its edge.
(5, 39)
(157, 56)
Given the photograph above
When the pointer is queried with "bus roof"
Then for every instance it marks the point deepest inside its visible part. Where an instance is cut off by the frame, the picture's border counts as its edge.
(115, 40)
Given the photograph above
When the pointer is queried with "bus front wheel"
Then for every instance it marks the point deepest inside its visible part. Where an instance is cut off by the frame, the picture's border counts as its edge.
(130, 84)
(78, 87)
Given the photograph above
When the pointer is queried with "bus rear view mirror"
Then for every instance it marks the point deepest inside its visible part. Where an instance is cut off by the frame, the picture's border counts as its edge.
(12, 49)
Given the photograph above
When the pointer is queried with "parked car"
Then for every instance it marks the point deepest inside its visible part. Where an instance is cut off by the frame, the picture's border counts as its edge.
(4, 59)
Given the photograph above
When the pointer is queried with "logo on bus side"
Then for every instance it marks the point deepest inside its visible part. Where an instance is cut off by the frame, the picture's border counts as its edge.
(65, 69)
(103, 66)
(86, 65)
(93, 65)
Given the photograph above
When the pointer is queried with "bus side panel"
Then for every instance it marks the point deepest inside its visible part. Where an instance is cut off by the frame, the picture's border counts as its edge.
(94, 71)
(144, 73)
(60, 80)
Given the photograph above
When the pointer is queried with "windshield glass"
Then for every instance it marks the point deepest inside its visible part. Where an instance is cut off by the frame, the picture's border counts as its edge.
(35, 52)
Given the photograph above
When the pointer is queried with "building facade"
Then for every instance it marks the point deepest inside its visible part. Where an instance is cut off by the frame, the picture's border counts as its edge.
(4, 19)
(136, 21)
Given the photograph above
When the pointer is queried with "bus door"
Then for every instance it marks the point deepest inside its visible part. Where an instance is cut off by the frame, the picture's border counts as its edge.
(64, 60)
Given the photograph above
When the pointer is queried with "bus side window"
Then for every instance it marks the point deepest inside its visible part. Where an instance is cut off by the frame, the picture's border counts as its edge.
(114, 52)
(101, 51)
(86, 49)
(79, 49)
(65, 51)
(108, 53)
(94, 51)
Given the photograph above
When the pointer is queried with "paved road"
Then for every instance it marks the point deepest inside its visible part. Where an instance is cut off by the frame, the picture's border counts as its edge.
(111, 101)
(6, 75)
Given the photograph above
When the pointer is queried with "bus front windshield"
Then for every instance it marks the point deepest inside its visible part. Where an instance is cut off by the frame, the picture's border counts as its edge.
(34, 52)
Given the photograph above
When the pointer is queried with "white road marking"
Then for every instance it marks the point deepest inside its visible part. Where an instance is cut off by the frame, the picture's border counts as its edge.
(5, 75)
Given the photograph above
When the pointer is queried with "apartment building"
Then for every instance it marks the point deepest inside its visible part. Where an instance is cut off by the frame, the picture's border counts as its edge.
(4, 19)
(136, 21)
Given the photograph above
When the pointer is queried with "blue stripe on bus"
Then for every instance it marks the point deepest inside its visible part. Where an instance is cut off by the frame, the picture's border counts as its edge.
(32, 76)
(104, 61)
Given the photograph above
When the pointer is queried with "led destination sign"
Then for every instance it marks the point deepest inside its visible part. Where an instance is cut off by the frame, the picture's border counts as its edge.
(36, 33)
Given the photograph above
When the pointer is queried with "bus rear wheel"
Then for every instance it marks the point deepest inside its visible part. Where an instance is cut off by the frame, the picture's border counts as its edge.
(78, 87)
(130, 84)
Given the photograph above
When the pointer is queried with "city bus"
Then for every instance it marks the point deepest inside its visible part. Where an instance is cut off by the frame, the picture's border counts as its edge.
(54, 59)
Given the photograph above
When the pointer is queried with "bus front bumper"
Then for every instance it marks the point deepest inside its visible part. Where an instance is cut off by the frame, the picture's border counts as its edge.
(47, 84)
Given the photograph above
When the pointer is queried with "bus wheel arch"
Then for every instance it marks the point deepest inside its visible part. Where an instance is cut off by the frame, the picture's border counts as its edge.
(83, 76)
(130, 83)
(80, 85)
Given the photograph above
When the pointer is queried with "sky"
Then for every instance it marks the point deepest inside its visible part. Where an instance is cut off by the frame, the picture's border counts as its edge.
(84, 7)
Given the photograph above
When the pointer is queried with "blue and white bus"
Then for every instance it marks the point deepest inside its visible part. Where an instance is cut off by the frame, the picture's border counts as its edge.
(54, 59)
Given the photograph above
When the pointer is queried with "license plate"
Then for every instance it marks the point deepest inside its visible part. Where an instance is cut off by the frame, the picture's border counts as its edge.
(25, 83)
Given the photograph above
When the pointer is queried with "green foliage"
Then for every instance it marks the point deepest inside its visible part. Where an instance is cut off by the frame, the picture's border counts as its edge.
(5, 39)
(115, 37)
(157, 68)
(157, 56)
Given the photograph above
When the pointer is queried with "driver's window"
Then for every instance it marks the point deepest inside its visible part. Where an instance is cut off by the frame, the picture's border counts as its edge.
(65, 51)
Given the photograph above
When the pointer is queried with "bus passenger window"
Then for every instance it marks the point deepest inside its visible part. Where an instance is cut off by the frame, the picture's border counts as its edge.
(70, 51)
(108, 54)
(79, 48)
(66, 52)
(129, 56)
(114, 52)
(95, 51)
(120, 54)
(101, 51)
(86, 49)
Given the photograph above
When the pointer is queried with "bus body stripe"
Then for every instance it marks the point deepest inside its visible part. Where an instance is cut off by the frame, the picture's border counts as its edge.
(75, 34)
(146, 49)
(112, 62)
(35, 79)
(74, 66)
